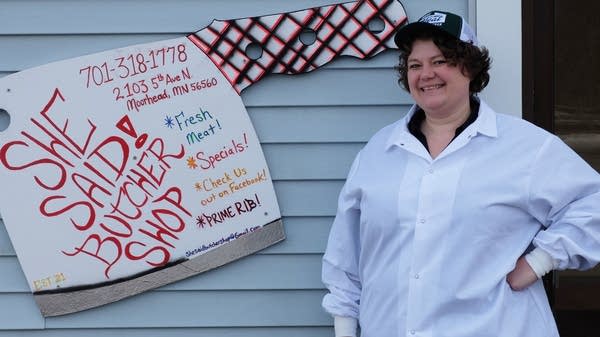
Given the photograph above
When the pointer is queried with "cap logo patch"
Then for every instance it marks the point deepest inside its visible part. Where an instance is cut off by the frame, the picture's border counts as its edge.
(437, 19)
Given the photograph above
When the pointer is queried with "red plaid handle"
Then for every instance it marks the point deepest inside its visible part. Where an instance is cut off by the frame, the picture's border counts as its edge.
(342, 29)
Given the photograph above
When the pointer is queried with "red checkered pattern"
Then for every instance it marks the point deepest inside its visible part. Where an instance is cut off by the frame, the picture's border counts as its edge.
(341, 29)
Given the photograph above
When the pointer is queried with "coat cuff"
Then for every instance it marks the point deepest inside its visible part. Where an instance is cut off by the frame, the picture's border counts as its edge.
(540, 261)
(345, 326)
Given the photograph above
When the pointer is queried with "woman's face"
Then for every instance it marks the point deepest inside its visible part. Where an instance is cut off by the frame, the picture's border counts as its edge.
(439, 88)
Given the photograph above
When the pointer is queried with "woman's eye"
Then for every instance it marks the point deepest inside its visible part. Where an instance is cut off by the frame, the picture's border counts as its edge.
(413, 66)
(439, 62)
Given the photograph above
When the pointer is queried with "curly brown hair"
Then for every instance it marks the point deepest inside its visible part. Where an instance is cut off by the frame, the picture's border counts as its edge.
(474, 61)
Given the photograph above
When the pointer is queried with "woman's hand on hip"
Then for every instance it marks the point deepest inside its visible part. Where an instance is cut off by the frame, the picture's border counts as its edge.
(522, 276)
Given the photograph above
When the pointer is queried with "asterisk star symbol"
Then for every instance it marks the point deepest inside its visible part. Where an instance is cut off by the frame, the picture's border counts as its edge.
(169, 122)
(191, 163)
(200, 221)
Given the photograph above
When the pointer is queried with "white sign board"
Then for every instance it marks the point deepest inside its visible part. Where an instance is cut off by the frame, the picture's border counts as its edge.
(127, 160)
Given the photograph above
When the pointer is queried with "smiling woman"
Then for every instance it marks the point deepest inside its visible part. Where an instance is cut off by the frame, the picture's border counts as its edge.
(450, 216)
(441, 73)
(439, 87)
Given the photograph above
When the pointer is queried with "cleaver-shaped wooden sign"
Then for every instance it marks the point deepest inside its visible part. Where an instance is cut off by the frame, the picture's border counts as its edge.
(136, 167)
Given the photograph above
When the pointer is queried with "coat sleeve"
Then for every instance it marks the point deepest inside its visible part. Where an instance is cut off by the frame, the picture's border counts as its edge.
(565, 198)
(340, 261)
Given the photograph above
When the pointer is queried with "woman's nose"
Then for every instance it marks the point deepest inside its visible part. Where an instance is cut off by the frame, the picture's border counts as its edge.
(427, 72)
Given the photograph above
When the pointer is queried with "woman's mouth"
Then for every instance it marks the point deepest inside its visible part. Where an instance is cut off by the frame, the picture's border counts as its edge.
(431, 87)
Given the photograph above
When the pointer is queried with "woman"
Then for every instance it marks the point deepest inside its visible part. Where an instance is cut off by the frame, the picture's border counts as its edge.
(450, 217)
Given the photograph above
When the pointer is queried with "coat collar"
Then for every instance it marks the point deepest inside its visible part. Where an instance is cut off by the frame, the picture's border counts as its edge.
(485, 124)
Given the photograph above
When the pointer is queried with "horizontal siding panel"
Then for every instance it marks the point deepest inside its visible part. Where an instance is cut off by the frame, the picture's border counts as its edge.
(339, 87)
(6, 247)
(19, 311)
(322, 124)
(177, 332)
(203, 309)
(310, 161)
(259, 272)
(303, 235)
(133, 16)
(24, 51)
(12, 280)
(308, 198)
